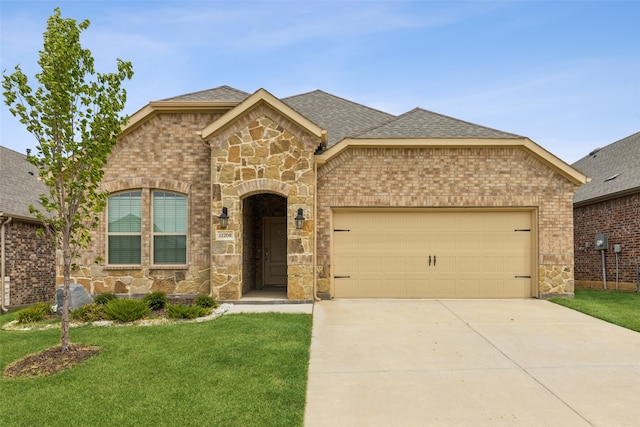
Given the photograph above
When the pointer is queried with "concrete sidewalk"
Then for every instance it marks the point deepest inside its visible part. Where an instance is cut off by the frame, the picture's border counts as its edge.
(469, 363)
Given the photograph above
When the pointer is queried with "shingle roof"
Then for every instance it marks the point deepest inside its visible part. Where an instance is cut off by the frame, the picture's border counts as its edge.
(420, 123)
(19, 186)
(218, 94)
(614, 170)
(340, 117)
(343, 118)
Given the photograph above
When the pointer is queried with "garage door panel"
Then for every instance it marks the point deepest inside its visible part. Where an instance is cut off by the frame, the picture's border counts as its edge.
(467, 242)
(473, 254)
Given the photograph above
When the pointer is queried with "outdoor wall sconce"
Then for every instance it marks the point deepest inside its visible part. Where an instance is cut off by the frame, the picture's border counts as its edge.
(224, 218)
(299, 219)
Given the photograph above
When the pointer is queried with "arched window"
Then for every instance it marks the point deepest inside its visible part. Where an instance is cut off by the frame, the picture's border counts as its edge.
(124, 228)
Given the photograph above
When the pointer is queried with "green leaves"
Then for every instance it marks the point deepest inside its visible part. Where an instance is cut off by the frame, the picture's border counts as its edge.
(74, 114)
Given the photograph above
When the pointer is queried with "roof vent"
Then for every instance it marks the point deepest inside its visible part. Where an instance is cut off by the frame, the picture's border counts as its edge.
(595, 151)
(612, 177)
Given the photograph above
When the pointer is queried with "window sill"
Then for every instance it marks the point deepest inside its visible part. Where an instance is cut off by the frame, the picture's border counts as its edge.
(123, 267)
(169, 267)
(150, 267)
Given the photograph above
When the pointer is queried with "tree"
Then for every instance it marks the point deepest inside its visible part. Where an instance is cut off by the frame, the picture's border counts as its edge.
(74, 115)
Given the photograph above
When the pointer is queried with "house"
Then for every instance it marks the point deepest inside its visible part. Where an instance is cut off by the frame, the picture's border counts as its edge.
(28, 261)
(227, 192)
(609, 207)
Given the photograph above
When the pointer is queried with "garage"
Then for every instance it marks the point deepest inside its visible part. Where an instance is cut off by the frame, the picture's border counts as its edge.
(433, 253)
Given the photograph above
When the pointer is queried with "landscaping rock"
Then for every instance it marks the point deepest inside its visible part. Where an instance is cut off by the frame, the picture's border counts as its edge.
(78, 296)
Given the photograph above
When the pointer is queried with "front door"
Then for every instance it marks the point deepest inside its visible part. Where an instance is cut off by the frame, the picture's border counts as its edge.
(274, 251)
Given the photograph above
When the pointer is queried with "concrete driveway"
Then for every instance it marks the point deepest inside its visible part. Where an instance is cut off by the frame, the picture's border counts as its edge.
(469, 363)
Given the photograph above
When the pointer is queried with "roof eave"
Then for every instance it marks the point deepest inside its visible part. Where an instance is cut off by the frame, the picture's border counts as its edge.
(605, 197)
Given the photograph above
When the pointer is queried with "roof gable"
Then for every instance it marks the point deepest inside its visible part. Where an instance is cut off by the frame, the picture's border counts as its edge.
(220, 99)
(420, 123)
(259, 97)
(19, 185)
(614, 171)
(340, 117)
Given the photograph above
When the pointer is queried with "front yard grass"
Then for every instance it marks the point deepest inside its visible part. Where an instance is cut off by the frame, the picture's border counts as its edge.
(620, 308)
(237, 370)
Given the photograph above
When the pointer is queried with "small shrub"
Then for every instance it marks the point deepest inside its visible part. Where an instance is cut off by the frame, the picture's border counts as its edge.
(206, 301)
(35, 313)
(88, 312)
(126, 310)
(156, 300)
(181, 311)
(103, 299)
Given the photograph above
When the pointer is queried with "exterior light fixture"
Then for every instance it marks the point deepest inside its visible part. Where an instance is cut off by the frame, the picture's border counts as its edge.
(224, 218)
(299, 219)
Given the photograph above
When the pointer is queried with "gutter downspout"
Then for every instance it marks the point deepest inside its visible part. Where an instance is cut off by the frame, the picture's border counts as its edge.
(315, 232)
(2, 261)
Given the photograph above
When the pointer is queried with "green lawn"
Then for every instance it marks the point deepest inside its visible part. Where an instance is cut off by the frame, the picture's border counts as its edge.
(237, 370)
(620, 308)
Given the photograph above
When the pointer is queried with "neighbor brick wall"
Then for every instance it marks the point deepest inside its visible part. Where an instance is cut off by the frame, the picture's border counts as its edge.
(619, 219)
(164, 153)
(455, 178)
(30, 264)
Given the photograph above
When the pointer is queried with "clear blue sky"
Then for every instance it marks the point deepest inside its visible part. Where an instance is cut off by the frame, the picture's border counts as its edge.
(565, 74)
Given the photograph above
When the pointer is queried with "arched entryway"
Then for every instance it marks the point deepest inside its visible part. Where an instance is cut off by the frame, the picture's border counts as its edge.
(264, 243)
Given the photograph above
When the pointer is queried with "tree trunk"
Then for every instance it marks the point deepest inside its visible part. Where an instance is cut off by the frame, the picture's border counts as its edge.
(64, 325)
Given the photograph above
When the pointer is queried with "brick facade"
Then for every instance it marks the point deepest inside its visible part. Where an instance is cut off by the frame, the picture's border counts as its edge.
(453, 178)
(30, 264)
(260, 162)
(163, 153)
(619, 219)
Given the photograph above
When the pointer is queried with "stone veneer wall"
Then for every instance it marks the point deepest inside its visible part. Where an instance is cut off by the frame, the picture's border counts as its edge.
(453, 177)
(29, 264)
(262, 152)
(619, 219)
(165, 152)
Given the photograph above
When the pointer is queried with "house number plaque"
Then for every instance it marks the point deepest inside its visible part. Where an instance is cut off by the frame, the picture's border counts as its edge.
(225, 235)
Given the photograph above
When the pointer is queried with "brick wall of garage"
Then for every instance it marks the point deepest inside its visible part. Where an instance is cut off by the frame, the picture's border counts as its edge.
(453, 177)
(619, 219)
(163, 153)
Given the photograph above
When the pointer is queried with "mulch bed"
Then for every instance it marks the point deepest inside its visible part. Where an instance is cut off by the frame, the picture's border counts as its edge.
(50, 361)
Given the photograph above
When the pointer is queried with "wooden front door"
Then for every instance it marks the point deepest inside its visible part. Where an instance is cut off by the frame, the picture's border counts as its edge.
(274, 251)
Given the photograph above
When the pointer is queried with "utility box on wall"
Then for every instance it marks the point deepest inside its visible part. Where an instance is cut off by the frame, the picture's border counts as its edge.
(601, 242)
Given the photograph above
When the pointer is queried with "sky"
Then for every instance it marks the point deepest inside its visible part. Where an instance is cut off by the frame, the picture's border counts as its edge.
(565, 74)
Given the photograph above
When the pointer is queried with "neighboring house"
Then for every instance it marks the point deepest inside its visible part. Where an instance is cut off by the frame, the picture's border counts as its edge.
(328, 198)
(609, 205)
(29, 261)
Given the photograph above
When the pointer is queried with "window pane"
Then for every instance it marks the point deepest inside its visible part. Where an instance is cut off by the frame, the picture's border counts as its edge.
(124, 250)
(169, 212)
(170, 249)
(125, 212)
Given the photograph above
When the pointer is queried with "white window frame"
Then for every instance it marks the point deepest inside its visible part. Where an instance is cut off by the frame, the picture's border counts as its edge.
(154, 233)
(120, 233)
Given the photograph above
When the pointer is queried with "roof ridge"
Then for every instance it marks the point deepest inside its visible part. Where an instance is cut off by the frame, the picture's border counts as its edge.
(608, 147)
(340, 98)
(12, 150)
(391, 120)
(464, 121)
(226, 87)
(444, 116)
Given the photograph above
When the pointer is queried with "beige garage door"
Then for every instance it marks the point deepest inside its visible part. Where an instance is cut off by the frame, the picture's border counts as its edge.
(432, 254)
